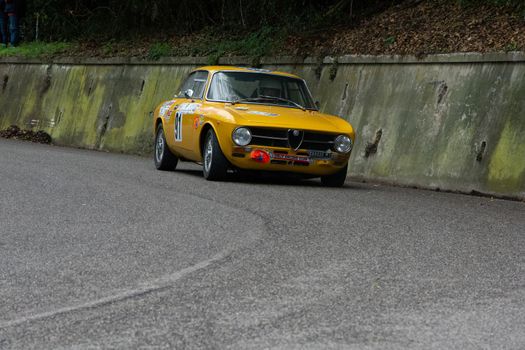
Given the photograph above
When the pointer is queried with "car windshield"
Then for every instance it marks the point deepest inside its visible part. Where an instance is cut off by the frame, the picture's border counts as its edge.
(247, 87)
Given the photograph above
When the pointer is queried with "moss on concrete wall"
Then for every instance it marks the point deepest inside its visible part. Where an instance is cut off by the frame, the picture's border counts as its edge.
(98, 107)
(454, 122)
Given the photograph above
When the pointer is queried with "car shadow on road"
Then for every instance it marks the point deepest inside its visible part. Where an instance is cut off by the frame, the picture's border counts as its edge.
(274, 179)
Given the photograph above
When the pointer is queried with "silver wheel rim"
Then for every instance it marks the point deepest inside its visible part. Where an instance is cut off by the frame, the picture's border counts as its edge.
(159, 147)
(208, 153)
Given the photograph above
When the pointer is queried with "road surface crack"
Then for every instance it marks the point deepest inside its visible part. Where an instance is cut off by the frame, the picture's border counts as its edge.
(159, 284)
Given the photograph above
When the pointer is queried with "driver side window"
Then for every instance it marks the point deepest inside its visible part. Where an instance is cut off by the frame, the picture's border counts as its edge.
(195, 82)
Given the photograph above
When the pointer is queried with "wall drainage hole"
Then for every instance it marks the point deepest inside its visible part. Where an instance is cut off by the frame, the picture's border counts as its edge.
(481, 151)
(371, 148)
(442, 92)
(4, 82)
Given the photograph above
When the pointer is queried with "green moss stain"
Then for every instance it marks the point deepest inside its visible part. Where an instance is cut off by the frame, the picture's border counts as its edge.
(129, 127)
(454, 152)
(507, 164)
(78, 109)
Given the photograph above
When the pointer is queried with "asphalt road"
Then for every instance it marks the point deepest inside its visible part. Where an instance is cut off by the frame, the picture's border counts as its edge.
(101, 250)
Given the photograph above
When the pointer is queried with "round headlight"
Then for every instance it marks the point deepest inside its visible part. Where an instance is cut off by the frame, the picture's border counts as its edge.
(242, 136)
(343, 144)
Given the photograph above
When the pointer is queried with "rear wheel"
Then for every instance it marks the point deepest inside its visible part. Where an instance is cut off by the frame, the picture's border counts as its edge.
(214, 164)
(164, 159)
(335, 180)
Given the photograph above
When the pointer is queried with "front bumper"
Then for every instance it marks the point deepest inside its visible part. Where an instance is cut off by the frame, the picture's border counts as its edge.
(302, 161)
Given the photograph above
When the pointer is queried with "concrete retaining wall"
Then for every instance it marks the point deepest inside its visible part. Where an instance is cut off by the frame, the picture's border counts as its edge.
(455, 122)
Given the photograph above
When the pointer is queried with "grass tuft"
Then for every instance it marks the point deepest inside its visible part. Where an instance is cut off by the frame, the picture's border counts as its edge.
(35, 49)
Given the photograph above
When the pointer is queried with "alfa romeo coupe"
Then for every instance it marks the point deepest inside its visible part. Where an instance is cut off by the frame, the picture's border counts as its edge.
(251, 119)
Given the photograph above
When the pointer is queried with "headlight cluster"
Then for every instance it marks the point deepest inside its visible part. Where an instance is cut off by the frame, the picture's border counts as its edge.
(343, 144)
(242, 136)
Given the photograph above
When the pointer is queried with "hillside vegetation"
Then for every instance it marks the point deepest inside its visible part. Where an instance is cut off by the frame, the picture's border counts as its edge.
(215, 28)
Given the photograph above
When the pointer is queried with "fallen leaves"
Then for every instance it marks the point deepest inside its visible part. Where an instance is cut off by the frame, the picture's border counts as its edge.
(14, 132)
(428, 27)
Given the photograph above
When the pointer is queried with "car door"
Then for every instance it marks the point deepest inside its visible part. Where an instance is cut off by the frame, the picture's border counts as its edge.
(191, 97)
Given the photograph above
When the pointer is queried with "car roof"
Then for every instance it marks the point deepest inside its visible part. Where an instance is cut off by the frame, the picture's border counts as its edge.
(213, 69)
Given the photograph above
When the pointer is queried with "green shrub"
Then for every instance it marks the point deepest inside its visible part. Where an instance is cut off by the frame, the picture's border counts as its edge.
(158, 50)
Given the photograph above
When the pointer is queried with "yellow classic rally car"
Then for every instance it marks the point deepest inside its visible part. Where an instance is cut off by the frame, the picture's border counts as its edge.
(251, 119)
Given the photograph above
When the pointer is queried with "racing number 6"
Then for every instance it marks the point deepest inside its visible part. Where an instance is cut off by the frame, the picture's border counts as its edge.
(178, 126)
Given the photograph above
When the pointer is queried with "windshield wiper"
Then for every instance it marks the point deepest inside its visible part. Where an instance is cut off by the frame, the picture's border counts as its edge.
(283, 100)
(247, 99)
(264, 97)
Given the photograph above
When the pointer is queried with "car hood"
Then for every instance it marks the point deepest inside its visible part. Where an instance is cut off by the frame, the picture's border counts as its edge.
(276, 116)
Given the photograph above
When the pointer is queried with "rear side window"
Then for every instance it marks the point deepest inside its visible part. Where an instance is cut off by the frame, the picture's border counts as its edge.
(196, 82)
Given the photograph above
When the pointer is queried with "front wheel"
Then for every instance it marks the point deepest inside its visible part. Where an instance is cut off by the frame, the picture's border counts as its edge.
(215, 164)
(164, 159)
(335, 180)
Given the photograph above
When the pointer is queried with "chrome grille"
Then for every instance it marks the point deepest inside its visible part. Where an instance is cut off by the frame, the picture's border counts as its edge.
(317, 141)
(279, 138)
(269, 137)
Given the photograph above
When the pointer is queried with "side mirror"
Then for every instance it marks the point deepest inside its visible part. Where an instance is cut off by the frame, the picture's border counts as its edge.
(318, 104)
(188, 93)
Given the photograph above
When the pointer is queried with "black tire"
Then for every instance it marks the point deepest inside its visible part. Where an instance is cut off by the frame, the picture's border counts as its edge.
(214, 163)
(336, 180)
(164, 159)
